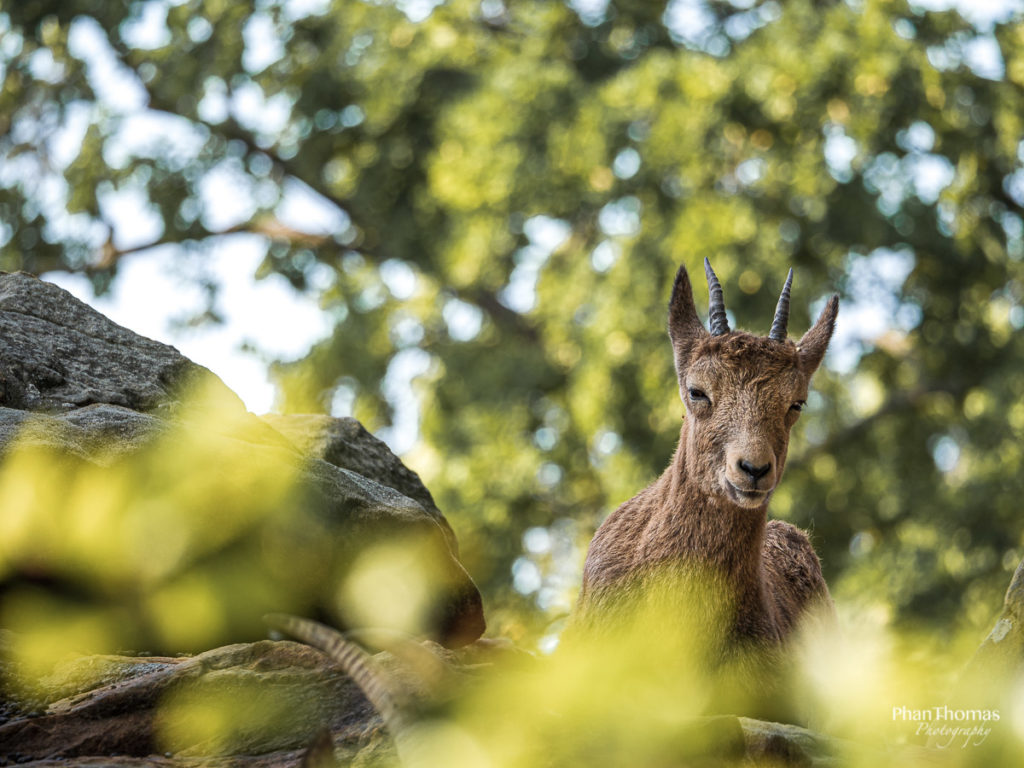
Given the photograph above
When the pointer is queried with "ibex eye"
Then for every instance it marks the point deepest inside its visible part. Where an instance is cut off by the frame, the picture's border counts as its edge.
(698, 394)
(798, 406)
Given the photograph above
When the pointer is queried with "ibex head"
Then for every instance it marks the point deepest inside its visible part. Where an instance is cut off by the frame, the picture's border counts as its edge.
(743, 393)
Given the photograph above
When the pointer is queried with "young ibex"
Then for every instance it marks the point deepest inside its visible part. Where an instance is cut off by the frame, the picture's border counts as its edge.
(697, 545)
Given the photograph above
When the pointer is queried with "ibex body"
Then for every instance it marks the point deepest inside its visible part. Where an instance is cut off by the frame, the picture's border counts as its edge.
(696, 546)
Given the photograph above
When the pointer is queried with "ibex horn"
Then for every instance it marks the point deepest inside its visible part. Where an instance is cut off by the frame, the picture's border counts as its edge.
(716, 311)
(778, 331)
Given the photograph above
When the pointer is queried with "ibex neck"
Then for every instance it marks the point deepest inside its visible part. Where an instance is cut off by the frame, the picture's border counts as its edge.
(713, 531)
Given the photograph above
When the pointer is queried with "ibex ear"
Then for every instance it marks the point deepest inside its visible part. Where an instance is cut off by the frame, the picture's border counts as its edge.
(684, 326)
(814, 343)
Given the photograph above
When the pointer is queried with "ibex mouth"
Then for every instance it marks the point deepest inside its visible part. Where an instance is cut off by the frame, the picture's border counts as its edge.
(746, 498)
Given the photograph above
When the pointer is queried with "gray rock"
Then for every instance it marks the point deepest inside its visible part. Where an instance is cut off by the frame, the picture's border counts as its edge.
(292, 547)
(345, 443)
(121, 710)
(97, 433)
(263, 524)
(57, 353)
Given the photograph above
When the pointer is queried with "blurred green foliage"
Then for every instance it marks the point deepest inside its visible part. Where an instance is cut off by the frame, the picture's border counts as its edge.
(183, 544)
(514, 185)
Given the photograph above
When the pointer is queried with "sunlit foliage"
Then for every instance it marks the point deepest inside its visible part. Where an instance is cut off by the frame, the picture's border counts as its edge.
(645, 693)
(184, 544)
(504, 190)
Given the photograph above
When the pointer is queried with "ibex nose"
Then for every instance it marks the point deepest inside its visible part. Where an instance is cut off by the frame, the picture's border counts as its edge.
(755, 473)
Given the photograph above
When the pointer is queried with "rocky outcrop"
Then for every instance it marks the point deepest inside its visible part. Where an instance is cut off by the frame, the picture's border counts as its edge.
(260, 515)
(138, 710)
(345, 443)
(58, 353)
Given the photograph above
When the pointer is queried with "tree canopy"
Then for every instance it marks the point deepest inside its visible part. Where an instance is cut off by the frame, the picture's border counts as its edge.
(512, 186)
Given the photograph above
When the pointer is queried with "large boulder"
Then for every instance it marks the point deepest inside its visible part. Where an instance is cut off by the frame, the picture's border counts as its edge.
(138, 487)
(346, 443)
(247, 705)
(58, 353)
(139, 710)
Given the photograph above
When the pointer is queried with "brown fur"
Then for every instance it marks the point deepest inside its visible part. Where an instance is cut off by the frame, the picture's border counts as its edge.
(697, 544)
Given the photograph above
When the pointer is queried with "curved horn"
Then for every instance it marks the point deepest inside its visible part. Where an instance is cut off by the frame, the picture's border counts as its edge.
(778, 331)
(716, 309)
(362, 668)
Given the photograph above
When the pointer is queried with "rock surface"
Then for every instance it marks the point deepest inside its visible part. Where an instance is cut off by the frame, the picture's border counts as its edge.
(263, 524)
(345, 443)
(124, 710)
(58, 353)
